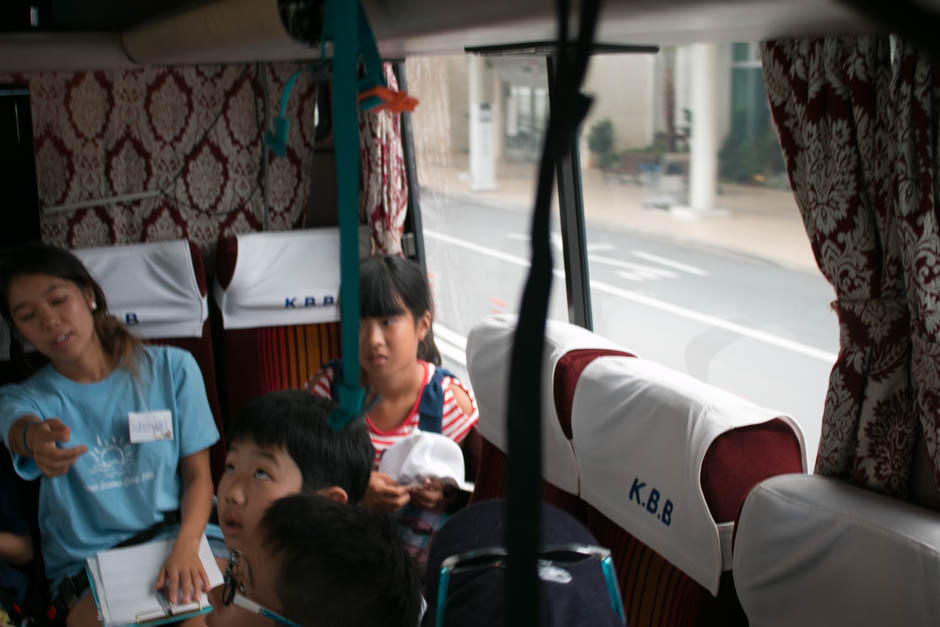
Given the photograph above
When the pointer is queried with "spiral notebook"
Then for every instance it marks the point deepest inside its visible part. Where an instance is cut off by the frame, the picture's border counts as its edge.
(122, 583)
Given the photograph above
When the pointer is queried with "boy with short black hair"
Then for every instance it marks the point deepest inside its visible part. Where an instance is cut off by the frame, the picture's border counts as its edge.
(281, 444)
(312, 561)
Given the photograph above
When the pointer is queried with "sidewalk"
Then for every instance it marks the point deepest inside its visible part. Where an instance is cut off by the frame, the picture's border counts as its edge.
(749, 220)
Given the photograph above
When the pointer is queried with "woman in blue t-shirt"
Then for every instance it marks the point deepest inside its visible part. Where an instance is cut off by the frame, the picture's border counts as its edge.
(118, 431)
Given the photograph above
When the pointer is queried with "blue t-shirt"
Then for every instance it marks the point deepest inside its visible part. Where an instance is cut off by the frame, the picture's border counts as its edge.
(117, 488)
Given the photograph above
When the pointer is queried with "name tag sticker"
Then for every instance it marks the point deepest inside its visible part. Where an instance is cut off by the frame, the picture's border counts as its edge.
(150, 426)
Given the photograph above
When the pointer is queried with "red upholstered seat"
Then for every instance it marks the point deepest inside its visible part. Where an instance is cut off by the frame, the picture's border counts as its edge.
(743, 444)
(491, 483)
(159, 291)
(567, 347)
(656, 591)
(267, 346)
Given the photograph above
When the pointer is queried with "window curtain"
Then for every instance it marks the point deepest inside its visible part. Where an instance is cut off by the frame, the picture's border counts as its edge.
(193, 133)
(916, 107)
(384, 197)
(857, 122)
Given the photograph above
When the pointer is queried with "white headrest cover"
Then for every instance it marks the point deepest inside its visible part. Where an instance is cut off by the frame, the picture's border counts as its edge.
(811, 550)
(640, 433)
(283, 278)
(489, 349)
(152, 288)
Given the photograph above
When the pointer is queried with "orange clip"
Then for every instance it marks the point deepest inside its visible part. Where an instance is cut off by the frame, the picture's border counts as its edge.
(394, 101)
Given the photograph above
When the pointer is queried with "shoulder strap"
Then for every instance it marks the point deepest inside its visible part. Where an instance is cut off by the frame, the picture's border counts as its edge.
(431, 405)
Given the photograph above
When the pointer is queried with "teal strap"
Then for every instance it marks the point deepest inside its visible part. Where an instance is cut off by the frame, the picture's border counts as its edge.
(375, 76)
(345, 25)
(276, 140)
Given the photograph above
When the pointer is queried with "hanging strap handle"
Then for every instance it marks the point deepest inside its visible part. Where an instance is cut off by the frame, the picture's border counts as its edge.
(346, 26)
(568, 108)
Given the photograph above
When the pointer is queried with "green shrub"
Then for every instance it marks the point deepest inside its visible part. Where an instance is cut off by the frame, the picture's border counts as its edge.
(601, 138)
(742, 159)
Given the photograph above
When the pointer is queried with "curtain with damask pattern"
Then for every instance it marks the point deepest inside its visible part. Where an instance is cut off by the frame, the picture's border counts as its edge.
(385, 185)
(192, 137)
(916, 109)
(857, 119)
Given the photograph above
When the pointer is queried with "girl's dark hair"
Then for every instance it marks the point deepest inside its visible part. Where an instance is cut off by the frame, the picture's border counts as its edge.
(390, 285)
(122, 346)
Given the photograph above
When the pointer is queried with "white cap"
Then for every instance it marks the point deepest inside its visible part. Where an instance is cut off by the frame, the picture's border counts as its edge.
(424, 455)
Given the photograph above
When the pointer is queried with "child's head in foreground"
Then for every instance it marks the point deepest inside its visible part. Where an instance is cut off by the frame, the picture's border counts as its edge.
(313, 561)
(281, 444)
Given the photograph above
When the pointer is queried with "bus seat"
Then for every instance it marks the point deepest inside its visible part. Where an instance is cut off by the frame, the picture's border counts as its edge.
(567, 347)
(813, 550)
(159, 291)
(665, 462)
(277, 294)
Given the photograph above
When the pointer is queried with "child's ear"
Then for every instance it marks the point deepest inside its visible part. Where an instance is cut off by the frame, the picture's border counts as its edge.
(335, 493)
(424, 325)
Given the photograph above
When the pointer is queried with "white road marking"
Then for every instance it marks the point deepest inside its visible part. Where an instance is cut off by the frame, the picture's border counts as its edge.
(714, 321)
(558, 243)
(670, 263)
(634, 271)
(448, 335)
(644, 271)
(449, 350)
(639, 276)
(491, 252)
(655, 303)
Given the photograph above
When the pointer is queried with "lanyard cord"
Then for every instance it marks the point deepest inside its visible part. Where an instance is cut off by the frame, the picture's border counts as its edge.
(568, 107)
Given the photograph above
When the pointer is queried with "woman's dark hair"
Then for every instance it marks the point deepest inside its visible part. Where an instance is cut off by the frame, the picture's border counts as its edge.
(122, 346)
(390, 285)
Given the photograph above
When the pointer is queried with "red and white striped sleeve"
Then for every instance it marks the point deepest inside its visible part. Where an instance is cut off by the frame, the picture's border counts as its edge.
(320, 382)
(456, 424)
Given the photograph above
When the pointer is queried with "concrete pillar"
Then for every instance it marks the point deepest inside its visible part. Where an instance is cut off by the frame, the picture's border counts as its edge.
(703, 175)
(482, 128)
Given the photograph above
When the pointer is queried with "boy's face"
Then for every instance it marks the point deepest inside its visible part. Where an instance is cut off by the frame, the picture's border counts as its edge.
(254, 478)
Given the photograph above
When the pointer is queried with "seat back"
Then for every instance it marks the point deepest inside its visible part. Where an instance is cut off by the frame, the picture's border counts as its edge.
(277, 295)
(489, 348)
(159, 291)
(812, 550)
(665, 462)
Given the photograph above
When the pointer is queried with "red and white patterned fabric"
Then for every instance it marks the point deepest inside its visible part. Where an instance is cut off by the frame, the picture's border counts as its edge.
(916, 108)
(455, 424)
(384, 197)
(195, 133)
(857, 120)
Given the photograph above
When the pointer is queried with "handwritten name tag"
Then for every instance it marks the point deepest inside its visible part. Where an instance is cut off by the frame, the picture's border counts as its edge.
(150, 426)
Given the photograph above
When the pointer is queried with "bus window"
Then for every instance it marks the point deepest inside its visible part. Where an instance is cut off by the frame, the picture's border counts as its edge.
(697, 254)
(478, 138)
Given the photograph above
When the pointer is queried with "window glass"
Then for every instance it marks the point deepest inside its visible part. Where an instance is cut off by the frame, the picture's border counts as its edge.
(710, 275)
(478, 137)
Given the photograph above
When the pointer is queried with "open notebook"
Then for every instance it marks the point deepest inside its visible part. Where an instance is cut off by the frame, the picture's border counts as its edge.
(122, 582)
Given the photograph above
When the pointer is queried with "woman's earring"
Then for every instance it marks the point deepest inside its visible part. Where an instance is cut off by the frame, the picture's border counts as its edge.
(94, 306)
